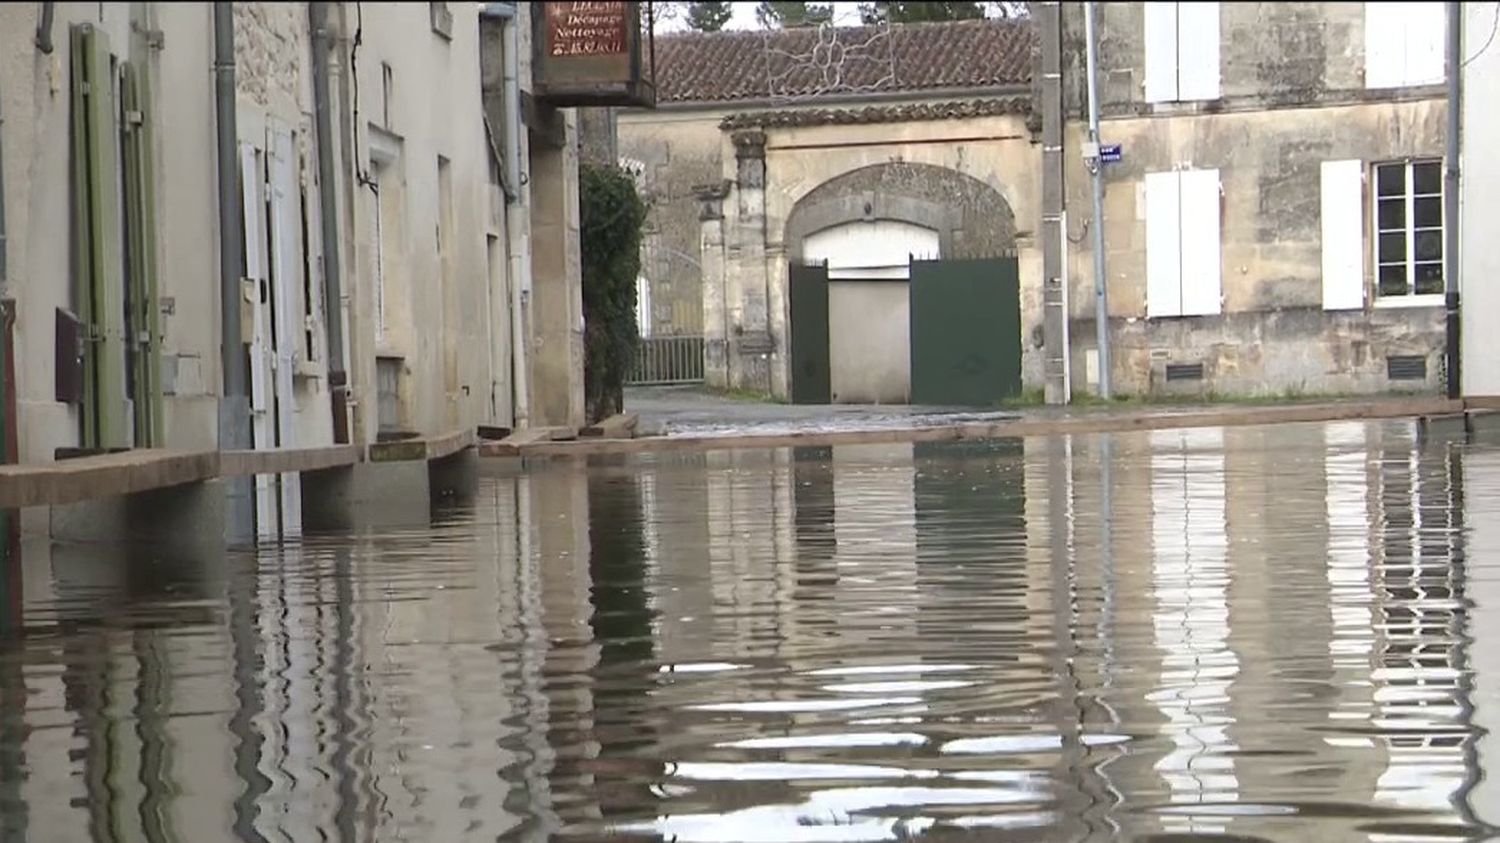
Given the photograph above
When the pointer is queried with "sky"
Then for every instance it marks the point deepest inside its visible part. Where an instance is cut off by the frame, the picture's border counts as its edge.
(844, 14)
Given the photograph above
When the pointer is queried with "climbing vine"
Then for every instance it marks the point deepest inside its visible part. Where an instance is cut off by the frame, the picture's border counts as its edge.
(611, 215)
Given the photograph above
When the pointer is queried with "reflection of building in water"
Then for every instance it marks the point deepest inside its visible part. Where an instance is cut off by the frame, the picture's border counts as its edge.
(1481, 487)
(1419, 705)
(1191, 623)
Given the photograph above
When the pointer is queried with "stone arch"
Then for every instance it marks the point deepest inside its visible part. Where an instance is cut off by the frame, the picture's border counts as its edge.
(972, 218)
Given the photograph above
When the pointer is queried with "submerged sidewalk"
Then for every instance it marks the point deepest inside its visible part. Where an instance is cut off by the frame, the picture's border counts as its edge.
(678, 418)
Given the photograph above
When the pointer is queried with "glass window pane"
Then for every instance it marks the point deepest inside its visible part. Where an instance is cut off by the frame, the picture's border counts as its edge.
(1390, 180)
(1428, 212)
(1392, 214)
(1392, 247)
(1429, 245)
(1429, 278)
(1393, 280)
(1427, 177)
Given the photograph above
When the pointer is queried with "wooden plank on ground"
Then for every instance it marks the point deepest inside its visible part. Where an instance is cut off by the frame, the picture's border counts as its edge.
(283, 460)
(423, 448)
(511, 445)
(70, 481)
(617, 426)
(447, 444)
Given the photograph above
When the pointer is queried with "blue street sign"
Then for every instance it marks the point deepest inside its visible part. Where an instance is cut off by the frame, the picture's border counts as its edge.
(1109, 154)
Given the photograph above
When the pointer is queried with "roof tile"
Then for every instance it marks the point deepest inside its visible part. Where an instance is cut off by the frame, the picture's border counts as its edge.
(807, 63)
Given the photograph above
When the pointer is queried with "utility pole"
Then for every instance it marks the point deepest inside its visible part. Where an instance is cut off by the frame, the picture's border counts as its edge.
(1096, 169)
(1054, 281)
(1450, 197)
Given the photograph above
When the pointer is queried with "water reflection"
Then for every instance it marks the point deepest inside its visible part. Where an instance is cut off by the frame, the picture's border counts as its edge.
(1248, 633)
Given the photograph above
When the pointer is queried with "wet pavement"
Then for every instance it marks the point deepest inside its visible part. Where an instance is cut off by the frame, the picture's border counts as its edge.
(692, 411)
(1259, 633)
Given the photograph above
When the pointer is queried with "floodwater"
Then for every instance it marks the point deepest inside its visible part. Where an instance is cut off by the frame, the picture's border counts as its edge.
(1282, 633)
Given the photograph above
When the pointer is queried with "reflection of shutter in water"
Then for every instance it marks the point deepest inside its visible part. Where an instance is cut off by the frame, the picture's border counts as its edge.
(388, 387)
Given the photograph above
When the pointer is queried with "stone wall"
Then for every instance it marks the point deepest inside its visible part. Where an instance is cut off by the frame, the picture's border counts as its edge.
(975, 180)
(1292, 97)
(674, 153)
(436, 266)
(1269, 54)
(271, 54)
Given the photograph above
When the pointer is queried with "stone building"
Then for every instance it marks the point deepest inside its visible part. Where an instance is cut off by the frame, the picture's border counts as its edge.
(380, 270)
(1269, 228)
(1275, 223)
(767, 145)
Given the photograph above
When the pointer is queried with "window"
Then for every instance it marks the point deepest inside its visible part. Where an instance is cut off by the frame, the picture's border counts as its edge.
(1182, 51)
(1404, 44)
(1183, 271)
(1409, 228)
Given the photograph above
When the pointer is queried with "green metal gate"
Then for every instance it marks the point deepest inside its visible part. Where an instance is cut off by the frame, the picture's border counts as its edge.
(965, 331)
(808, 299)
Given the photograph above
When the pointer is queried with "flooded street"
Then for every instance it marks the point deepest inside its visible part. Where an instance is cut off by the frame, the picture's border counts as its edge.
(1247, 633)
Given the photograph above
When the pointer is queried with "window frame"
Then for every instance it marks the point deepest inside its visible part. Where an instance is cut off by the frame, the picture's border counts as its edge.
(1409, 229)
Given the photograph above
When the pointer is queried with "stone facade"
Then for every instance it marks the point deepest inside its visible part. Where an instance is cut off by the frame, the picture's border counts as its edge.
(675, 153)
(425, 270)
(1292, 96)
(1295, 89)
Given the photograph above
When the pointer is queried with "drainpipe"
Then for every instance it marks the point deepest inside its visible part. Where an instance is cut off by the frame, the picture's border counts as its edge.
(333, 299)
(231, 225)
(2, 194)
(44, 29)
(1450, 196)
(518, 215)
(234, 403)
(1096, 166)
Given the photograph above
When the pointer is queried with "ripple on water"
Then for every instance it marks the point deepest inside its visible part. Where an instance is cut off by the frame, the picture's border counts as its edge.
(1239, 634)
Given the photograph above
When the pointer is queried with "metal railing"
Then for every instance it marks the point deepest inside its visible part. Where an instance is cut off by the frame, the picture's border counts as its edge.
(668, 360)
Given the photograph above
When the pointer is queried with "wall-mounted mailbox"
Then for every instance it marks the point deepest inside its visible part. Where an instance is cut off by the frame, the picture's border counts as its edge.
(593, 54)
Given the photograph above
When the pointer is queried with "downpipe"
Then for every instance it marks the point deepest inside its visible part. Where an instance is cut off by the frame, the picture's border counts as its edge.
(1452, 327)
(518, 212)
(333, 298)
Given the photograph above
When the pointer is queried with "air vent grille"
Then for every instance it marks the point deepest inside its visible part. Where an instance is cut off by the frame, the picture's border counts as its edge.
(1406, 367)
(1184, 372)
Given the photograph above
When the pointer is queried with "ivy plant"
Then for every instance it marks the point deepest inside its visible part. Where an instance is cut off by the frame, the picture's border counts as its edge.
(611, 216)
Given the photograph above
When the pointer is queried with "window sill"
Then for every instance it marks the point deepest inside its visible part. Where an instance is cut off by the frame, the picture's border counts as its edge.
(1428, 300)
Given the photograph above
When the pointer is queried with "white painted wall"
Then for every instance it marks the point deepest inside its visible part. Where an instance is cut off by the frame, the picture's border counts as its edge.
(1479, 189)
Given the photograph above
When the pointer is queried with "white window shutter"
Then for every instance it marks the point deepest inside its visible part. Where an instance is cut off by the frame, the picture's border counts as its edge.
(1426, 26)
(1202, 268)
(1163, 246)
(1385, 44)
(1197, 51)
(1161, 51)
(1343, 235)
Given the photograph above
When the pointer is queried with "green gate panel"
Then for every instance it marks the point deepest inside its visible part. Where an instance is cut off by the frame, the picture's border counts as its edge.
(811, 381)
(965, 332)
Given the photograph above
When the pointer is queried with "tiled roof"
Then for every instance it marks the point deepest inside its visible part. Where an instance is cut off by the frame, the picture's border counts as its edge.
(904, 113)
(806, 63)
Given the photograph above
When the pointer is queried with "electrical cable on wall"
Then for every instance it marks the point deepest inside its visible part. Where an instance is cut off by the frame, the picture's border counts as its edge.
(361, 175)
